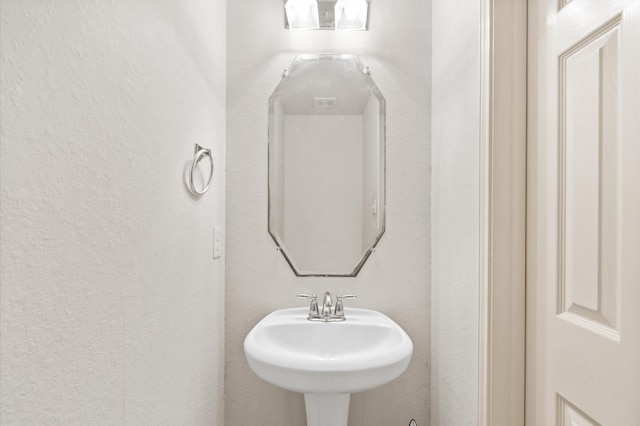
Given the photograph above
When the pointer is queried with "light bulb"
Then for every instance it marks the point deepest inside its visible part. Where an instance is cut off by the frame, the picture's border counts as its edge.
(302, 14)
(351, 14)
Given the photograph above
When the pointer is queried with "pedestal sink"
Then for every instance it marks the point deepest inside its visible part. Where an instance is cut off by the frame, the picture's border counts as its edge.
(327, 361)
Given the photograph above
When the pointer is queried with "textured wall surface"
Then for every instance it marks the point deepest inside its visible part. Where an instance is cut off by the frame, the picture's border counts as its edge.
(454, 212)
(111, 304)
(395, 279)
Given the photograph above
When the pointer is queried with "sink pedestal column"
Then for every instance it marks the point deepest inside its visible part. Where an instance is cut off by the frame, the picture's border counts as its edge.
(327, 409)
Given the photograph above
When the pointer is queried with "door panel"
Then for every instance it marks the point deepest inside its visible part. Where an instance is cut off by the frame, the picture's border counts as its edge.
(583, 233)
(588, 197)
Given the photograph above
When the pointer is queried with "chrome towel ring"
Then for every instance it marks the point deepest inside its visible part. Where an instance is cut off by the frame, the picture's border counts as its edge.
(200, 153)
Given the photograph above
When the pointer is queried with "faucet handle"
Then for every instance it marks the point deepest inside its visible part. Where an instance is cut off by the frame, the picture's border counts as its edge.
(346, 296)
(313, 307)
(339, 311)
(306, 296)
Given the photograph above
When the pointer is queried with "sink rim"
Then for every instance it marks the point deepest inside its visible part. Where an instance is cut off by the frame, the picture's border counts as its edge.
(279, 366)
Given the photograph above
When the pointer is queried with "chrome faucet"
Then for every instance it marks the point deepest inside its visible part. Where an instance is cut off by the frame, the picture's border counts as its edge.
(327, 304)
(326, 314)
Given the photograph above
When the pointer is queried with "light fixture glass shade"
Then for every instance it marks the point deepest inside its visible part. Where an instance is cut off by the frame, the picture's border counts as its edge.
(351, 14)
(302, 14)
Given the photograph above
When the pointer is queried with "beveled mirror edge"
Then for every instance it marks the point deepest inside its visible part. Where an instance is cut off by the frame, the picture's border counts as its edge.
(352, 274)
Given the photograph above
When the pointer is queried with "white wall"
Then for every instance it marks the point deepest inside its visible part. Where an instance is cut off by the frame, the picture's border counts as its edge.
(454, 212)
(323, 192)
(111, 305)
(395, 279)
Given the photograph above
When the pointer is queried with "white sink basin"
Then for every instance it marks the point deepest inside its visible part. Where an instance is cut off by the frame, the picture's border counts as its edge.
(327, 359)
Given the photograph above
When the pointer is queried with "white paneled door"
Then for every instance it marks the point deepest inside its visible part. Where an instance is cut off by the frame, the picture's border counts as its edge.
(583, 213)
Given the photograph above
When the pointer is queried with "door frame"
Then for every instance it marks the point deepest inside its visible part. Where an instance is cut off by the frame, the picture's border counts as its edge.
(503, 110)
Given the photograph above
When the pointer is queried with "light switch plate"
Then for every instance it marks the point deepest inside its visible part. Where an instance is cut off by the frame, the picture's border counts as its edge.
(217, 242)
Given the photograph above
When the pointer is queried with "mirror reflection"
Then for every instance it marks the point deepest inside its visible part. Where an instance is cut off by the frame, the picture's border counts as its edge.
(326, 165)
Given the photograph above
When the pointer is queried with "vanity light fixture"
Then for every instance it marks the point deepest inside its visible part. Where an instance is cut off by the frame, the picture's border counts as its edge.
(326, 14)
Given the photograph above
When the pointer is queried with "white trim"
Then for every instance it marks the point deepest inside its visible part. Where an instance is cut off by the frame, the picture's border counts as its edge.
(484, 299)
(501, 339)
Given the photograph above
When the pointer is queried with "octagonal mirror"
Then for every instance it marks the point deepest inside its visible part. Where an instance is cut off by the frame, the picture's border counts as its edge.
(326, 165)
